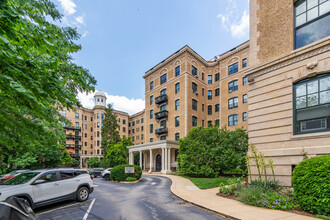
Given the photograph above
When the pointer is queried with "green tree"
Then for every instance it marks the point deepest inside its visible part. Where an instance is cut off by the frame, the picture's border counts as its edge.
(109, 133)
(212, 151)
(93, 162)
(37, 79)
(117, 154)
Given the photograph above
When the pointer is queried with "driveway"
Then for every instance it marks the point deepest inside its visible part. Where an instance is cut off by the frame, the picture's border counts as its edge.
(150, 198)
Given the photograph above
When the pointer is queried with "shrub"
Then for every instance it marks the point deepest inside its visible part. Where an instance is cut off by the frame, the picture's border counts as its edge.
(311, 184)
(130, 179)
(278, 200)
(252, 195)
(118, 173)
(231, 186)
(269, 185)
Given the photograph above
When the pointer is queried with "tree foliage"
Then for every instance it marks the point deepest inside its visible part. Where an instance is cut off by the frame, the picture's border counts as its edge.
(117, 154)
(93, 162)
(109, 133)
(37, 80)
(212, 151)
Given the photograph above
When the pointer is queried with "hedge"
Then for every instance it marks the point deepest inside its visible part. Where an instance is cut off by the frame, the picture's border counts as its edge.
(311, 184)
(118, 173)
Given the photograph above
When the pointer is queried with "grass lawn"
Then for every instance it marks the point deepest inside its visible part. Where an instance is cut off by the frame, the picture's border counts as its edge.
(207, 183)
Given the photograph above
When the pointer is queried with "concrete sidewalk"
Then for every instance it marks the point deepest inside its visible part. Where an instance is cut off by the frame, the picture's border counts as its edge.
(231, 209)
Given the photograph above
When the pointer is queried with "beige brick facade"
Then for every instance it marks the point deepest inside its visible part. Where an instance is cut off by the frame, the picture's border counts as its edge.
(275, 68)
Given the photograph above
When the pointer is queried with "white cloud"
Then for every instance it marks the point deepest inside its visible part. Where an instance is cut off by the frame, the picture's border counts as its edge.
(84, 34)
(236, 25)
(68, 6)
(121, 103)
(80, 19)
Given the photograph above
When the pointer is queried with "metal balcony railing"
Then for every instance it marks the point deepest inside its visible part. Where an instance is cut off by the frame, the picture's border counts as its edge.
(72, 128)
(75, 137)
(161, 114)
(74, 146)
(161, 99)
(161, 130)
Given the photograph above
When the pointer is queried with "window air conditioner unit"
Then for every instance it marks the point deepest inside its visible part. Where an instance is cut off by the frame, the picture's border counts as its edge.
(311, 125)
(196, 93)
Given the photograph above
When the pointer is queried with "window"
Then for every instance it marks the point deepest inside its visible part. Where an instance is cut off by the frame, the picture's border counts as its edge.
(233, 86)
(85, 118)
(141, 128)
(85, 135)
(233, 68)
(124, 129)
(217, 77)
(177, 121)
(202, 107)
(141, 136)
(91, 128)
(151, 114)
(244, 81)
(163, 92)
(85, 151)
(177, 137)
(202, 91)
(98, 143)
(202, 123)
(177, 71)
(244, 63)
(233, 103)
(312, 19)
(98, 134)
(77, 125)
(91, 118)
(133, 139)
(129, 124)
(98, 124)
(85, 142)
(194, 104)
(124, 122)
(209, 94)
(141, 120)
(217, 123)
(176, 153)
(209, 79)
(91, 145)
(193, 70)
(163, 138)
(85, 126)
(133, 123)
(76, 116)
(151, 85)
(177, 88)
(92, 137)
(133, 131)
(177, 104)
(194, 121)
(202, 76)
(118, 119)
(151, 140)
(194, 88)
(209, 109)
(216, 108)
(209, 123)
(244, 98)
(151, 128)
(63, 113)
(98, 151)
(102, 116)
(312, 104)
(163, 123)
(98, 116)
(163, 107)
(217, 92)
(232, 120)
(163, 78)
(48, 177)
(244, 116)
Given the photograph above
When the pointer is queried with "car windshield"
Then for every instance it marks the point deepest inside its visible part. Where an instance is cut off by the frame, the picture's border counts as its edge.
(21, 178)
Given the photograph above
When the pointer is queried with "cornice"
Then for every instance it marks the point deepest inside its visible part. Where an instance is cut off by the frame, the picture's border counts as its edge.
(289, 59)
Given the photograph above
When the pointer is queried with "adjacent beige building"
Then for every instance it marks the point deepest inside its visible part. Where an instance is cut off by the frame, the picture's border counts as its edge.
(289, 81)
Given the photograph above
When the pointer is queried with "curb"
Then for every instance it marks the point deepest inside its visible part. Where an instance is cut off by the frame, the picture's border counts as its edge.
(203, 207)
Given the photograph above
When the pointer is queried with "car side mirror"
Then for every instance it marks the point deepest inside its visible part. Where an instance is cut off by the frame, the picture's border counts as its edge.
(38, 182)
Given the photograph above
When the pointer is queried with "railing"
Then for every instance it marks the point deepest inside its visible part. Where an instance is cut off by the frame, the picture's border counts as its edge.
(77, 156)
(161, 114)
(70, 136)
(72, 128)
(161, 130)
(75, 146)
(161, 99)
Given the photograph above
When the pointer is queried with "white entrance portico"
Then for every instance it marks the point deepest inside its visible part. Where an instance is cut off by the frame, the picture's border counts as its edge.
(158, 156)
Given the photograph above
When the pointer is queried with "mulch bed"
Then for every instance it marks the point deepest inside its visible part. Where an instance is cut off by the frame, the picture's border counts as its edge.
(295, 211)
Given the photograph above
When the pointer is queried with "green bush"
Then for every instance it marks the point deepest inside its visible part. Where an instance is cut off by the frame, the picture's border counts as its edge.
(130, 179)
(252, 195)
(118, 173)
(311, 184)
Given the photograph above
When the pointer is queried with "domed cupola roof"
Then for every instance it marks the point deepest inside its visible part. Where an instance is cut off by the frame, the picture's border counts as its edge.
(100, 99)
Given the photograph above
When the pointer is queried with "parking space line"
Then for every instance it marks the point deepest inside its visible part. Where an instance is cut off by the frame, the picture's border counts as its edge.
(89, 209)
(41, 213)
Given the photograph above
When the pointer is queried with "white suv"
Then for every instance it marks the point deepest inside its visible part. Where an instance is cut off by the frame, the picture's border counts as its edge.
(106, 173)
(43, 187)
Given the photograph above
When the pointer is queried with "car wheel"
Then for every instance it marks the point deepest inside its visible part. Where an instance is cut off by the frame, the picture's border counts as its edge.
(82, 194)
(107, 177)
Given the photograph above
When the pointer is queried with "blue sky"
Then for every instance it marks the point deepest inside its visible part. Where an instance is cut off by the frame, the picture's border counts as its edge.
(122, 39)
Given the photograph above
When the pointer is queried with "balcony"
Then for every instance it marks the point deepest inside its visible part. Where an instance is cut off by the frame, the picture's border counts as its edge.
(161, 130)
(75, 137)
(161, 114)
(75, 156)
(161, 99)
(72, 128)
(74, 146)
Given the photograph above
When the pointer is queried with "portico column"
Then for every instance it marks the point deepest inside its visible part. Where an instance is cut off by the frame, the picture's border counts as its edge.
(163, 168)
(141, 159)
(131, 160)
(150, 170)
(165, 162)
(169, 159)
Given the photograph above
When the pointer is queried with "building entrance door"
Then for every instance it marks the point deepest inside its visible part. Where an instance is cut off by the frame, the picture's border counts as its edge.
(158, 163)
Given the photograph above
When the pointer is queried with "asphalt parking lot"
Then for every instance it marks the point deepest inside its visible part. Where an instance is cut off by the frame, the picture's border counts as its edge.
(150, 198)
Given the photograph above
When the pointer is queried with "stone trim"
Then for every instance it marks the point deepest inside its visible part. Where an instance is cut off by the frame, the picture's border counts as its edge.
(293, 57)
